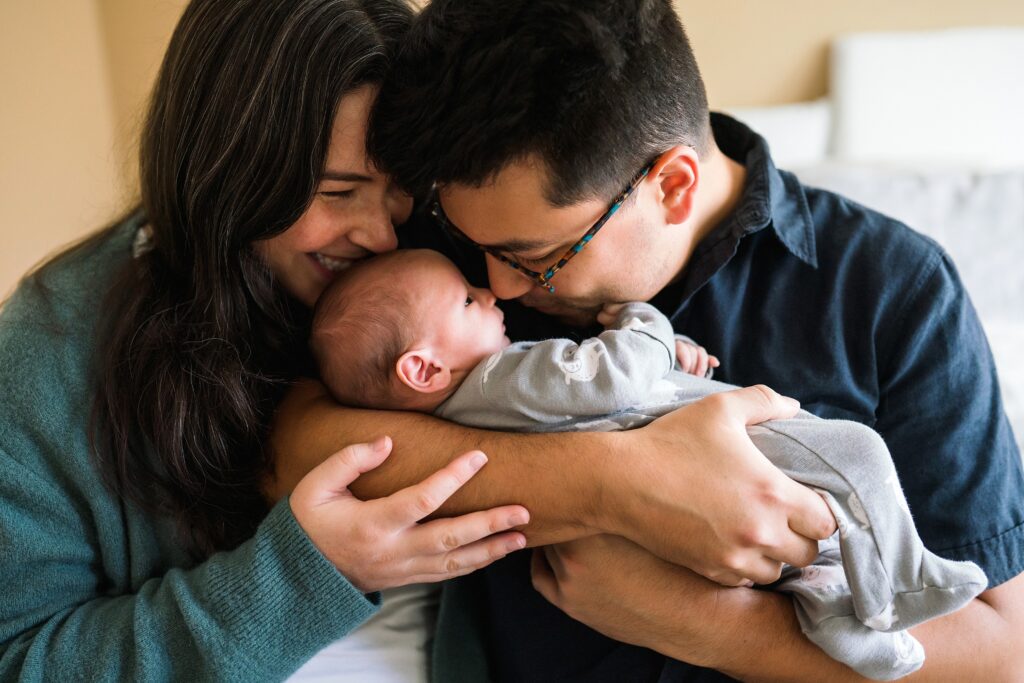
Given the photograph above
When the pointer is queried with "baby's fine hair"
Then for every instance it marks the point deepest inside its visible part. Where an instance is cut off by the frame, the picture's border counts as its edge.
(361, 327)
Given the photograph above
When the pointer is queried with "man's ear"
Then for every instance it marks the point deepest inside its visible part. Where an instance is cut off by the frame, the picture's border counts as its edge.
(422, 372)
(677, 172)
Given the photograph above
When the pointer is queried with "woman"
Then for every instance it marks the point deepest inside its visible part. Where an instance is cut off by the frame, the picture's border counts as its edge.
(172, 361)
(157, 558)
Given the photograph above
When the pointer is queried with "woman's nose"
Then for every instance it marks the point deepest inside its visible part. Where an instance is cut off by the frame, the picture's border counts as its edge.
(376, 233)
(505, 282)
(377, 236)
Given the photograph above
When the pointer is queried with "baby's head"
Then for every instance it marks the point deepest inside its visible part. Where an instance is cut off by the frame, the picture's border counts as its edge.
(402, 331)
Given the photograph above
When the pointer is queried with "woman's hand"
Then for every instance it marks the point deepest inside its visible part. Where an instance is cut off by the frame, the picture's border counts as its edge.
(692, 489)
(621, 590)
(381, 543)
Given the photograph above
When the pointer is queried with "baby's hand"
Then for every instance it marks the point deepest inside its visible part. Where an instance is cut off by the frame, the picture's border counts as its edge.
(608, 314)
(694, 359)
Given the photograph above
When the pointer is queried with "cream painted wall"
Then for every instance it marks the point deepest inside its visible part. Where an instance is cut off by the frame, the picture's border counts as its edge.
(57, 174)
(136, 34)
(75, 75)
(758, 52)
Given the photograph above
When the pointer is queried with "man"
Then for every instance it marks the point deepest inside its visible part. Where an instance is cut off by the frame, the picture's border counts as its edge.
(531, 117)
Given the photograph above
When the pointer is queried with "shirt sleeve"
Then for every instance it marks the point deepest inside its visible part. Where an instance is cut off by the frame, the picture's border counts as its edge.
(255, 613)
(941, 414)
(557, 380)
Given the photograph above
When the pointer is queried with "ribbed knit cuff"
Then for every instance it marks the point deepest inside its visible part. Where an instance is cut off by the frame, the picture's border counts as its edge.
(283, 600)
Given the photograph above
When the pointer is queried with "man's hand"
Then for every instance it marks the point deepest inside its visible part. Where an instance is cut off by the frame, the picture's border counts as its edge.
(695, 491)
(619, 589)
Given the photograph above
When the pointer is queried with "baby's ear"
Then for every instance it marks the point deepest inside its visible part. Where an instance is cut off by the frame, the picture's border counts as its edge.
(421, 371)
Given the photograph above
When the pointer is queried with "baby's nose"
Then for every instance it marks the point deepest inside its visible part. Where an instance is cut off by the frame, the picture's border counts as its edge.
(486, 296)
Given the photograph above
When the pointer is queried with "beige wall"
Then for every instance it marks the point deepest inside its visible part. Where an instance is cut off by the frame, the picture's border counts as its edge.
(56, 136)
(760, 52)
(136, 33)
(74, 75)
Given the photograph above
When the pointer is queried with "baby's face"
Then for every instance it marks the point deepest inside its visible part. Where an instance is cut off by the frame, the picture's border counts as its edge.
(461, 322)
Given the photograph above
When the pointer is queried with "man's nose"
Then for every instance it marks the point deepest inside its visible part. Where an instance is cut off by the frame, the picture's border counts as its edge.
(505, 282)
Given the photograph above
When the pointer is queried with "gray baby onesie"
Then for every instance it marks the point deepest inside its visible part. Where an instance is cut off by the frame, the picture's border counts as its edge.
(871, 581)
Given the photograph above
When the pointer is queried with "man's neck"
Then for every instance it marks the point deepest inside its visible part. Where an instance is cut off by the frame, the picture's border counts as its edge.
(721, 186)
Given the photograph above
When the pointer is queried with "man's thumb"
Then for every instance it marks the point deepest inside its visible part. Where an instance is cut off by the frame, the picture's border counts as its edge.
(759, 403)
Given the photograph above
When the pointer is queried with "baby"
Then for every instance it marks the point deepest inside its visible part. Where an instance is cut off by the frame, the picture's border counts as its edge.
(406, 331)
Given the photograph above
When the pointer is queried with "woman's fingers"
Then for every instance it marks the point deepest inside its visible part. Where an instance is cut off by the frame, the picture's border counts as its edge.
(469, 558)
(418, 501)
(379, 543)
(445, 535)
(333, 476)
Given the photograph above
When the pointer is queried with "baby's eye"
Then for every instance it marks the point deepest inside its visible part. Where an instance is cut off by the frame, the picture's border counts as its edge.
(469, 300)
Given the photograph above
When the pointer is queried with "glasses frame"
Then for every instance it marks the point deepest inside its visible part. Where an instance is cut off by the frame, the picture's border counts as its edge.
(542, 277)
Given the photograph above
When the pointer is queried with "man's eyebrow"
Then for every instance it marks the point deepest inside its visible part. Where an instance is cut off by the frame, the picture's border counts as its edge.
(345, 176)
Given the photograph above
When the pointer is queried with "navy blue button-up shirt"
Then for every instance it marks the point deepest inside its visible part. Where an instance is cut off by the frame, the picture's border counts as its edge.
(853, 314)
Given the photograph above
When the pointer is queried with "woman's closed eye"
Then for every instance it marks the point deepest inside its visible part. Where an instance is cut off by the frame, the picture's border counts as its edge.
(337, 194)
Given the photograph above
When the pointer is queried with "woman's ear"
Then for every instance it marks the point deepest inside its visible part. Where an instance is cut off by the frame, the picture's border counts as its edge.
(677, 171)
(422, 372)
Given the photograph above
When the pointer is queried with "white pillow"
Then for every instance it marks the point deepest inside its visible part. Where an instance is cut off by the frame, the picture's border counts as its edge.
(797, 134)
(953, 97)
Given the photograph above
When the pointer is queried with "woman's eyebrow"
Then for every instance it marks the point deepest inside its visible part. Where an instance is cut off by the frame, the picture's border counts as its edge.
(345, 176)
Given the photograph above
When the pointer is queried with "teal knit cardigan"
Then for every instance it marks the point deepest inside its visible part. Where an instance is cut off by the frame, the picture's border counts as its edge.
(92, 588)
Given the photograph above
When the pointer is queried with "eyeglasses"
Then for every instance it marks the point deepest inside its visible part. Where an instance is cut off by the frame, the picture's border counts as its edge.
(542, 277)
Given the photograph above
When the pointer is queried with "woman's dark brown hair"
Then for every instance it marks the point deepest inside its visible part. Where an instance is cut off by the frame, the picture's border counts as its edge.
(198, 341)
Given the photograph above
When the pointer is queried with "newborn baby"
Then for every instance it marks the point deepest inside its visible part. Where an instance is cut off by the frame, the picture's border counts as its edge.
(405, 331)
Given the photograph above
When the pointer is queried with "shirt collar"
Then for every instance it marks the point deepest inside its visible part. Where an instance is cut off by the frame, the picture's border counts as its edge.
(770, 198)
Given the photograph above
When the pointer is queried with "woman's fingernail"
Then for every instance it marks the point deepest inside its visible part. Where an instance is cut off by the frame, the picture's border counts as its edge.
(478, 461)
(517, 518)
(381, 443)
(792, 401)
(514, 544)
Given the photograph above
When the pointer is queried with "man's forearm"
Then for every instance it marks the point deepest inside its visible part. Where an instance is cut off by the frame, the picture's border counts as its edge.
(563, 501)
(765, 643)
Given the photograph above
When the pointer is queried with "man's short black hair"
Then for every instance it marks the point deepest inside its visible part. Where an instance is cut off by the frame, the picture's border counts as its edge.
(595, 89)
